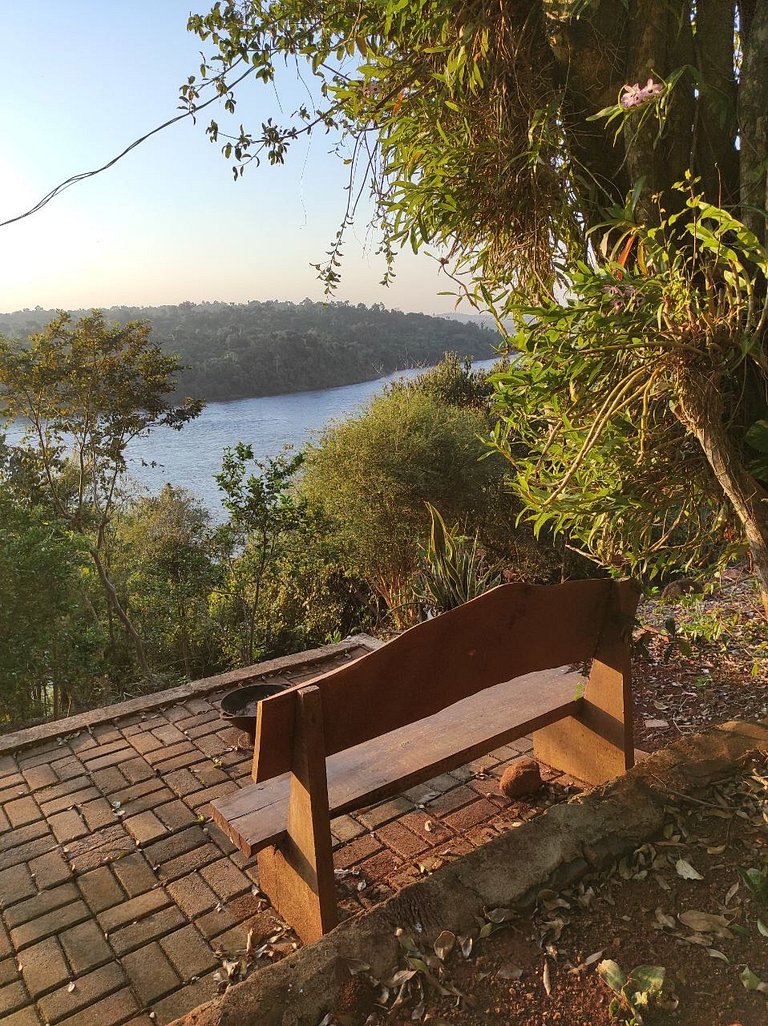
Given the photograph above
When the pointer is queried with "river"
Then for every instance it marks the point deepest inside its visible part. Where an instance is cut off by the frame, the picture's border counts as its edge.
(189, 458)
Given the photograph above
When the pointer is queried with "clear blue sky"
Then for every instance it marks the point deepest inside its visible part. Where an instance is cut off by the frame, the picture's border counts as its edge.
(83, 79)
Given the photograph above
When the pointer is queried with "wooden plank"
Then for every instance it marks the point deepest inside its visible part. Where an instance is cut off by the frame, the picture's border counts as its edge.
(597, 745)
(256, 816)
(507, 632)
(298, 877)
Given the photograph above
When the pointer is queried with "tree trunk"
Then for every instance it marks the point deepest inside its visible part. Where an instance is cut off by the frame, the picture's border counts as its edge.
(701, 412)
(753, 122)
(114, 604)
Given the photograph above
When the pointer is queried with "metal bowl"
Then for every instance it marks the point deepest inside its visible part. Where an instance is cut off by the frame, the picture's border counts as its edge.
(239, 707)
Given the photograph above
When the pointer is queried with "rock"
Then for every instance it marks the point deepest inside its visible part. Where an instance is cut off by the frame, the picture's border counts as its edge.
(522, 778)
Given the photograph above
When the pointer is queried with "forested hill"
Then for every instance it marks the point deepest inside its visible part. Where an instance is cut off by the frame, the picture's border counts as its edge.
(249, 349)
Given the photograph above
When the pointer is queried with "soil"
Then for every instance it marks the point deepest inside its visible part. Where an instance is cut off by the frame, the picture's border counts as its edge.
(540, 968)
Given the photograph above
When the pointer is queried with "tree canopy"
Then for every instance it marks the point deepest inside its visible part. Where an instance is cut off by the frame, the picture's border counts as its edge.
(598, 170)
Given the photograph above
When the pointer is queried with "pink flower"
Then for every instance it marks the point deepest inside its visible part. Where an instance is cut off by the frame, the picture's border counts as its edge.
(635, 95)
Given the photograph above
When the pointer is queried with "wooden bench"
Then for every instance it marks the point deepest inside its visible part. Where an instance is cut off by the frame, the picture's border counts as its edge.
(443, 693)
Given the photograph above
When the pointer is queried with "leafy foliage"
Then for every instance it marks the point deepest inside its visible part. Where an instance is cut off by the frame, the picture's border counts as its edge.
(455, 569)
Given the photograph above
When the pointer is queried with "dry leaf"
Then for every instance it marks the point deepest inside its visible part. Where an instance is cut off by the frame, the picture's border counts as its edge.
(445, 944)
(705, 922)
(546, 977)
(686, 870)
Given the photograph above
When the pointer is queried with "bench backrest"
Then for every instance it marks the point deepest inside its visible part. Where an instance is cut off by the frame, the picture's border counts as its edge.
(509, 631)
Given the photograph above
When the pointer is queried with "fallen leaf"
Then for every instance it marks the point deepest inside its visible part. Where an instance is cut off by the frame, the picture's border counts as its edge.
(512, 973)
(714, 953)
(546, 977)
(686, 870)
(444, 944)
(705, 922)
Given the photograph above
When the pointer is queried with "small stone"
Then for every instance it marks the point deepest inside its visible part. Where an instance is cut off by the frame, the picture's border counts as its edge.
(522, 778)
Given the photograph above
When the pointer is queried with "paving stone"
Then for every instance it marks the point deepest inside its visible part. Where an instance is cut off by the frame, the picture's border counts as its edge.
(50, 870)
(92, 758)
(175, 815)
(26, 1017)
(14, 838)
(199, 719)
(144, 787)
(100, 889)
(149, 801)
(221, 919)
(431, 831)
(443, 782)
(16, 884)
(109, 780)
(12, 997)
(102, 762)
(22, 811)
(105, 733)
(43, 967)
(168, 734)
(7, 766)
(401, 839)
(85, 947)
(212, 745)
(345, 828)
(136, 770)
(135, 874)
(380, 866)
(221, 841)
(4, 822)
(68, 798)
(129, 911)
(182, 782)
(49, 925)
(209, 773)
(8, 971)
(377, 815)
(26, 852)
(420, 793)
(451, 800)
(145, 827)
(200, 799)
(98, 813)
(164, 754)
(481, 835)
(82, 742)
(226, 879)
(40, 904)
(193, 895)
(146, 930)
(63, 1003)
(187, 758)
(144, 742)
(6, 949)
(39, 776)
(100, 847)
(108, 1011)
(13, 787)
(68, 768)
(189, 953)
(355, 852)
(177, 844)
(184, 1000)
(471, 815)
(68, 826)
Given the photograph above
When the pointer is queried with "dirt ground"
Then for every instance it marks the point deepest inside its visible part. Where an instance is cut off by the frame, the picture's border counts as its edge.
(693, 903)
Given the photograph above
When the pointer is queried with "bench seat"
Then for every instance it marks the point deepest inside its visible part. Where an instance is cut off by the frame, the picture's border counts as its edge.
(256, 816)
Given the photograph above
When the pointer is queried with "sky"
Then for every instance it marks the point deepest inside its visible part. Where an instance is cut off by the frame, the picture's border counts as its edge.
(82, 80)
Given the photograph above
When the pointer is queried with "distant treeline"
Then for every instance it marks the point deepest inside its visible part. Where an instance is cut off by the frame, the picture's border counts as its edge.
(237, 350)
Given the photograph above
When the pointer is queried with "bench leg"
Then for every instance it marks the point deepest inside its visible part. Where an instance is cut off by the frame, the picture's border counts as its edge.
(597, 745)
(298, 876)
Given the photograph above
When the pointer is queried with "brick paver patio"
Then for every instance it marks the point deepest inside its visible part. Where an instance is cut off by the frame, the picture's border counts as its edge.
(122, 903)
